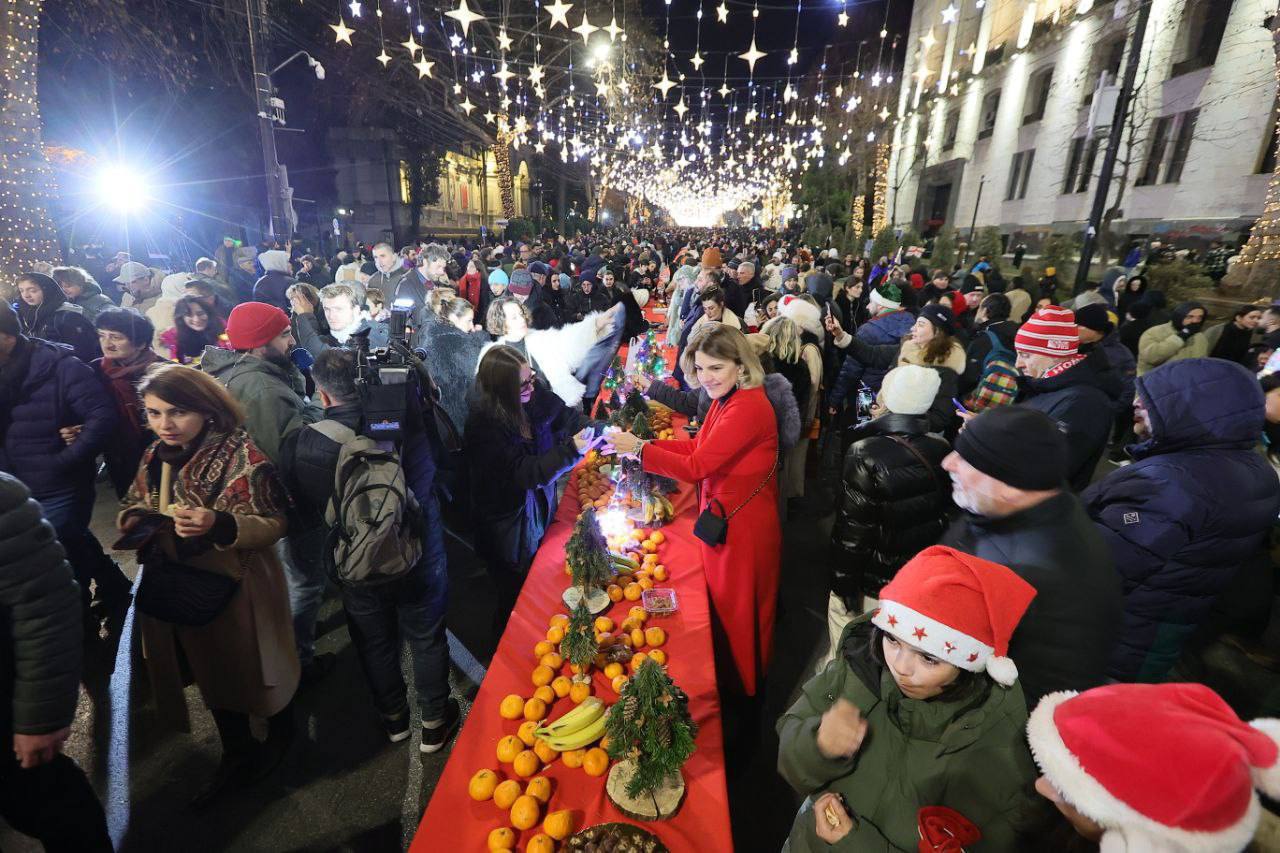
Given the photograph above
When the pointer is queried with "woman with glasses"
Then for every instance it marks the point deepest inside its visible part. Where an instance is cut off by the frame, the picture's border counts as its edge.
(519, 439)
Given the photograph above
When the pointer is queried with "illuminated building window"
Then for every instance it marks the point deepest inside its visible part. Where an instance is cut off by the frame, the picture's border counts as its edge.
(406, 189)
(1038, 95)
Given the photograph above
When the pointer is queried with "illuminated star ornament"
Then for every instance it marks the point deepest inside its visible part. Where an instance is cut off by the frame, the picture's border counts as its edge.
(949, 14)
(928, 40)
(696, 60)
(466, 106)
(559, 12)
(424, 67)
(383, 57)
(722, 13)
(535, 74)
(752, 55)
(585, 29)
(504, 75)
(680, 109)
(341, 32)
(724, 90)
(843, 18)
(412, 46)
(613, 29)
(664, 85)
(464, 16)
(355, 8)
(504, 40)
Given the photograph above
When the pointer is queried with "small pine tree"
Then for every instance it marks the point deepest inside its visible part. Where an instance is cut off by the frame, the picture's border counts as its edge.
(587, 553)
(884, 245)
(579, 644)
(640, 427)
(989, 245)
(635, 405)
(944, 249)
(650, 724)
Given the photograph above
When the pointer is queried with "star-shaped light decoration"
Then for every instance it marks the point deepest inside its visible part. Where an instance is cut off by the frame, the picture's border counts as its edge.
(383, 57)
(788, 93)
(341, 32)
(752, 55)
(539, 146)
(464, 16)
(536, 74)
(559, 12)
(724, 90)
(664, 85)
(521, 127)
(843, 18)
(504, 40)
(928, 40)
(680, 109)
(602, 89)
(586, 28)
(751, 116)
(949, 14)
(722, 12)
(412, 46)
(696, 60)
(503, 75)
(490, 117)
(354, 5)
(793, 57)
(613, 29)
(884, 113)
(922, 74)
(457, 88)
(623, 86)
(424, 69)
(466, 106)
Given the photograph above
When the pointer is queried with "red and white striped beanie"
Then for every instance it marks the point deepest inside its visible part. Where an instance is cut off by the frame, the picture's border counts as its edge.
(1049, 331)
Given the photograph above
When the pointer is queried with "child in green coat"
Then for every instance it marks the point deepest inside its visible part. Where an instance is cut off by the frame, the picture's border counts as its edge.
(904, 719)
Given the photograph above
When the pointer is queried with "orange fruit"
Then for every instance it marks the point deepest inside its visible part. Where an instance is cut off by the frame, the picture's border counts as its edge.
(619, 681)
(539, 788)
(637, 612)
(535, 709)
(525, 765)
(655, 636)
(508, 748)
(638, 535)
(658, 537)
(573, 758)
(648, 546)
(555, 634)
(543, 647)
(552, 660)
(540, 844)
(482, 785)
(558, 824)
(603, 623)
(525, 812)
(637, 659)
(579, 692)
(624, 578)
(658, 656)
(561, 686)
(637, 637)
(545, 693)
(632, 592)
(506, 793)
(544, 751)
(526, 732)
(650, 559)
(615, 592)
(502, 838)
(660, 573)
(560, 619)
(645, 582)
(512, 707)
(613, 670)
(595, 763)
(542, 675)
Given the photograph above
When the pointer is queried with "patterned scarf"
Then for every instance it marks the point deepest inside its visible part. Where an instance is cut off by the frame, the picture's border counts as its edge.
(1063, 367)
(226, 473)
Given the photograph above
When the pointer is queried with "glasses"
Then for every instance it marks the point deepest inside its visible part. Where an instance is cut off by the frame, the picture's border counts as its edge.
(527, 385)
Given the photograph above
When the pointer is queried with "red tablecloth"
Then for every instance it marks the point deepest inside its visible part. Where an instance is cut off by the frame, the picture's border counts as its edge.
(453, 821)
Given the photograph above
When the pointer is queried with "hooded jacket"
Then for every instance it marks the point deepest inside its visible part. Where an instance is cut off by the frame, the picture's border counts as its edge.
(1122, 364)
(1081, 400)
(1194, 506)
(884, 357)
(44, 387)
(92, 301)
(1165, 343)
(968, 755)
(58, 320)
(885, 329)
(272, 397)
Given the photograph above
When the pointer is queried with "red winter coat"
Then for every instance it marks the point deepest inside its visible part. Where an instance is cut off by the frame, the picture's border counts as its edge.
(469, 289)
(733, 453)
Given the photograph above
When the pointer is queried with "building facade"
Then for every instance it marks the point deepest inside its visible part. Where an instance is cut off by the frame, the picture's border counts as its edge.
(1006, 106)
(373, 183)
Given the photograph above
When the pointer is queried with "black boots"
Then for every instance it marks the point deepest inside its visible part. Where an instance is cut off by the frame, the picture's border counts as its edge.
(239, 751)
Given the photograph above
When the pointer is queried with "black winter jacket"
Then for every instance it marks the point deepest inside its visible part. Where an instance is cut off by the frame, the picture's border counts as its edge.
(43, 387)
(452, 358)
(1065, 640)
(1081, 400)
(308, 462)
(271, 289)
(980, 347)
(891, 506)
(39, 619)
(578, 304)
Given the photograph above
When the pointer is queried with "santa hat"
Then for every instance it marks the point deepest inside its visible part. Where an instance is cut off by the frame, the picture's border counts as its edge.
(1049, 331)
(958, 608)
(802, 312)
(1158, 766)
(887, 296)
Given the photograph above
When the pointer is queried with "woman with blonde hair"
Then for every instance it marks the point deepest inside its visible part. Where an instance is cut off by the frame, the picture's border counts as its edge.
(204, 511)
(734, 460)
(797, 357)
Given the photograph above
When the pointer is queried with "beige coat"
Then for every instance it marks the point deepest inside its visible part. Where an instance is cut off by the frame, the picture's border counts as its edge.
(1162, 344)
(792, 484)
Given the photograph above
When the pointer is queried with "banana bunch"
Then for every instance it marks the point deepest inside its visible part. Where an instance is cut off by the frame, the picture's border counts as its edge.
(581, 726)
(658, 509)
(622, 563)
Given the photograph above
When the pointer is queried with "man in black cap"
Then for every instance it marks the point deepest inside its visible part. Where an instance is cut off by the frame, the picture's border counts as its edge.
(1098, 335)
(1008, 475)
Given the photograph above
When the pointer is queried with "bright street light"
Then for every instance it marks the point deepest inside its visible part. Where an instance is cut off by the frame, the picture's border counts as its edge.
(123, 188)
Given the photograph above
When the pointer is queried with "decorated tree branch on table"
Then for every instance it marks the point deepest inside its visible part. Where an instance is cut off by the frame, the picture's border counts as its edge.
(651, 734)
(590, 567)
(579, 645)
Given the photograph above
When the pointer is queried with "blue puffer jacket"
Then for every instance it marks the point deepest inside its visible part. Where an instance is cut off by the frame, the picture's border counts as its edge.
(880, 331)
(50, 389)
(1195, 505)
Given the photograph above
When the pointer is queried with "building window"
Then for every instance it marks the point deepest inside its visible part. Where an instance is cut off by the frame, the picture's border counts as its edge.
(1019, 175)
(950, 129)
(406, 188)
(1038, 96)
(1204, 22)
(1181, 145)
(1090, 157)
(990, 107)
(1073, 165)
(1155, 153)
(1106, 60)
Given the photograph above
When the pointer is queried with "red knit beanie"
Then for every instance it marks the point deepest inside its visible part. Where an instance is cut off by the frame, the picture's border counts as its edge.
(254, 324)
(1049, 331)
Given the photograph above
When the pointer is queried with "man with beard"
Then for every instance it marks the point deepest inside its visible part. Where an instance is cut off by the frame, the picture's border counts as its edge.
(1008, 475)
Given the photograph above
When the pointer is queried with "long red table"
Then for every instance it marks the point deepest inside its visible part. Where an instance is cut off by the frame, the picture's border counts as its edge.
(453, 821)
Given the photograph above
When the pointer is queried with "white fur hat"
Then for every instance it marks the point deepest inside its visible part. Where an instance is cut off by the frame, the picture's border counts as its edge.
(910, 389)
(803, 313)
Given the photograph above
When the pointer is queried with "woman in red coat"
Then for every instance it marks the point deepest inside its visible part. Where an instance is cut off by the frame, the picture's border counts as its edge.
(734, 461)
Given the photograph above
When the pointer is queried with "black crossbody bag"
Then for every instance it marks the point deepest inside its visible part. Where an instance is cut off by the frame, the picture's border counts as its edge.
(713, 529)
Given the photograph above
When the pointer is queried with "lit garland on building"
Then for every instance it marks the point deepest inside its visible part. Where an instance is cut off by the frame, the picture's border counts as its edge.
(502, 158)
(27, 234)
(1259, 260)
(879, 202)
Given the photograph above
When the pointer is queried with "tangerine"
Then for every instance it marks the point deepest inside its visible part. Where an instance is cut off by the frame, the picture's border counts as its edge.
(637, 659)
(645, 582)
(638, 637)
(619, 681)
(540, 844)
(545, 693)
(595, 763)
(660, 573)
(649, 546)
(658, 656)
(632, 591)
(615, 592)
(555, 634)
(658, 537)
(508, 748)
(525, 812)
(502, 838)
(543, 647)
(506, 794)
(539, 788)
(512, 707)
(579, 692)
(560, 619)
(558, 824)
(542, 675)
(552, 660)
(561, 686)
(603, 623)
(573, 758)
(525, 765)
(482, 785)
(613, 670)
(535, 709)
(637, 612)
(526, 732)
(545, 751)
(655, 636)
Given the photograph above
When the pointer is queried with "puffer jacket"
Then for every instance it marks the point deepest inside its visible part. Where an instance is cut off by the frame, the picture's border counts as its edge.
(969, 755)
(695, 404)
(39, 617)
(1194, 506)
(273, 398)
(879, 331)
(891, 505)
(1162, 344)
(1081, 400)
(44, 387)
(92, 301)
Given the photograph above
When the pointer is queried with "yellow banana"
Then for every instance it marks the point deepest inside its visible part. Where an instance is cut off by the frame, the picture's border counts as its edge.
(591, 708)
(624, 562)
(582, 737)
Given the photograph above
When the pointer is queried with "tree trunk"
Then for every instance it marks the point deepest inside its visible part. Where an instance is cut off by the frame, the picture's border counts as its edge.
(27, 234)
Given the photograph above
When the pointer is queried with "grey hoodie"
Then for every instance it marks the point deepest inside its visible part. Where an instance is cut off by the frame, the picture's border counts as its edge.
(274, 399)
(93, 301)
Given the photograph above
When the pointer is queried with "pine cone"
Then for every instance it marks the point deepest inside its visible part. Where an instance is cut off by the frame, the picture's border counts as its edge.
(664, 734)
(629, 708)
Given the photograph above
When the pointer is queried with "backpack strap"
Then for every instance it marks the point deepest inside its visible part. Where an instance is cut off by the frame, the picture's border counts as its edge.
(333, 430)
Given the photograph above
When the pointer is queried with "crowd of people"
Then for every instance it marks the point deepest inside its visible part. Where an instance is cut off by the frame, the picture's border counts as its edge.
(1007, 609)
